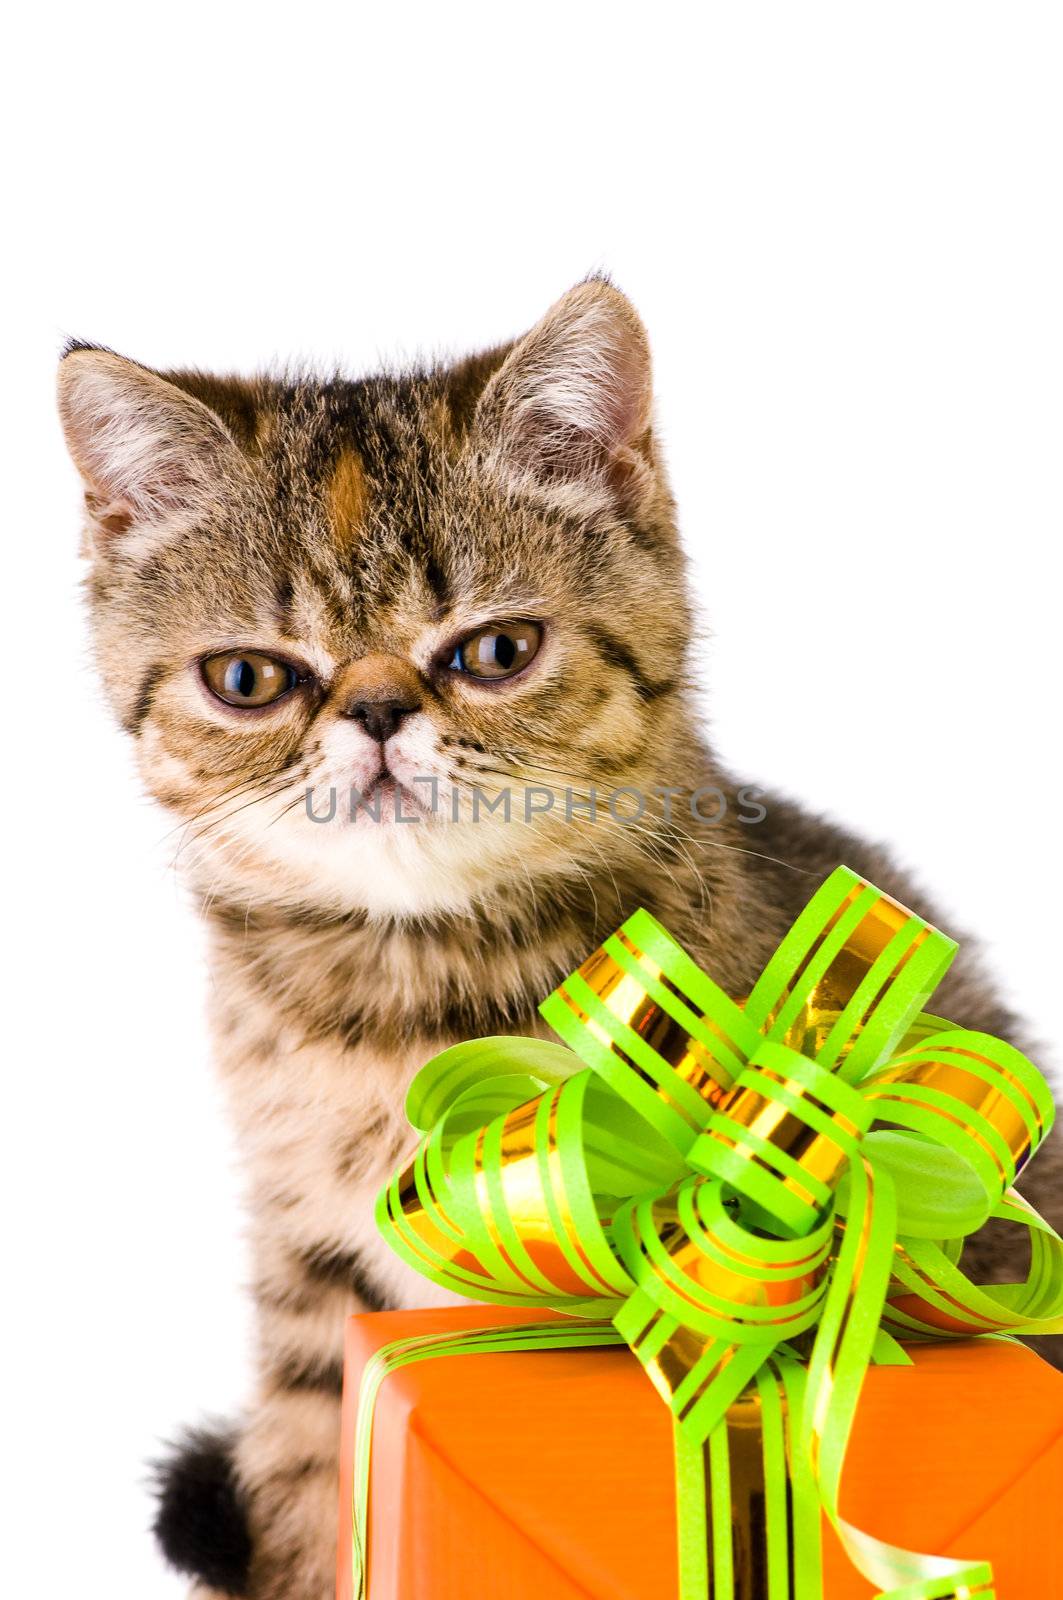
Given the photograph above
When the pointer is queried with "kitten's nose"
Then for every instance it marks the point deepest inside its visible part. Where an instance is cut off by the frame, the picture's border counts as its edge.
(378, 692)
(379, 718)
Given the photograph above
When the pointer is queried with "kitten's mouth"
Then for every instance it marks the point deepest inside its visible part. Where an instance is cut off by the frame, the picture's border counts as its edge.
(387, 799)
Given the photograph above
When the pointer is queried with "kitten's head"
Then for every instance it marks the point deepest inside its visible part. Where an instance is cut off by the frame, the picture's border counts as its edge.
(417, 586)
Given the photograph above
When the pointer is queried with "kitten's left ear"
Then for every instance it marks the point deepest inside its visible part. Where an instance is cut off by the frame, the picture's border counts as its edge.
(147, 451)
(573, 398)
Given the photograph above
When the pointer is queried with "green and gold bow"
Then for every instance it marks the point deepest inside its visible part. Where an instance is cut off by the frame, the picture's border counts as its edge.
(755, 1197)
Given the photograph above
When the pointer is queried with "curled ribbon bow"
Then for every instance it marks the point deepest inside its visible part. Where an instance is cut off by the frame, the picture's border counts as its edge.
(756, 1196)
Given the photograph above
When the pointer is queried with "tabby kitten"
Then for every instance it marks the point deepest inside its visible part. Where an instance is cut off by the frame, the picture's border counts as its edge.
(459, 579)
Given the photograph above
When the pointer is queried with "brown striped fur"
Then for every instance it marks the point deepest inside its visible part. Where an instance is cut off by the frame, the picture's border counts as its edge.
(355, 527)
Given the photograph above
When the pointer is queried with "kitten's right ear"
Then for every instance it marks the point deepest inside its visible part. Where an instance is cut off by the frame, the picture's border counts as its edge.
(573, 397)
(146, 450)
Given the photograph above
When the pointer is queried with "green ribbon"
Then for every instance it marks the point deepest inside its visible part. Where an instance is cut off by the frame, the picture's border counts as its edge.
(758, 1197)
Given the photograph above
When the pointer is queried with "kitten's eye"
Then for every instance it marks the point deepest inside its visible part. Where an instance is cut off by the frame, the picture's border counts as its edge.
(498, 651)
(247, 678)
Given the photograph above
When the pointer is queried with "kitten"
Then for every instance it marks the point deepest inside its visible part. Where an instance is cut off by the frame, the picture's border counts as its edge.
(455, 579)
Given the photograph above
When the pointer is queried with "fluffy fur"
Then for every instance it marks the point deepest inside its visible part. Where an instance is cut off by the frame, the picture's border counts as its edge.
(201, 1521)
(357, 529)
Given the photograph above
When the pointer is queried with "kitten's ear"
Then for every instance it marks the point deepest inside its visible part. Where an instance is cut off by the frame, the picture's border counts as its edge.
(573, 397)
(146, 450)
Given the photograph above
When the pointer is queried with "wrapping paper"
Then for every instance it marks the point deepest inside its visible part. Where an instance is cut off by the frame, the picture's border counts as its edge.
(548, 1475)
(759, 1197)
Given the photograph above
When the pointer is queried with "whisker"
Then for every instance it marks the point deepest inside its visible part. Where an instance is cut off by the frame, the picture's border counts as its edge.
(691, 838)
(641, 836)
(584, 840)
(232, 793)
(283, 812)
(200, 834)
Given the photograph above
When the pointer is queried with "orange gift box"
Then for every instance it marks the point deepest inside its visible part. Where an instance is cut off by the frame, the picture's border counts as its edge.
(549, 1475)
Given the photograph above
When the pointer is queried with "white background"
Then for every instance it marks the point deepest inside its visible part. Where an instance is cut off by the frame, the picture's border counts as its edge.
(843, 227)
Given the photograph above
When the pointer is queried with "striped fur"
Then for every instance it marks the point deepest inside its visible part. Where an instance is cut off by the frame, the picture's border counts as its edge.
(337, 523)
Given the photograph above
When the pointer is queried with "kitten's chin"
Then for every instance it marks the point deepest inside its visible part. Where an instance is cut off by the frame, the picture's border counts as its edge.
(416, 868)
(394, 870)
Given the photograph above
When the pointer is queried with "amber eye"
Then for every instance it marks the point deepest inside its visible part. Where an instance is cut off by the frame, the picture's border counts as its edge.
(247, 678)
(497, 651)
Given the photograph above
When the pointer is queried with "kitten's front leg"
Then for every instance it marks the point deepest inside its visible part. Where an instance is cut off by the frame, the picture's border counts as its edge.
(287, 1455)
(253, 1510)
(288, 1465)
(323, 1130)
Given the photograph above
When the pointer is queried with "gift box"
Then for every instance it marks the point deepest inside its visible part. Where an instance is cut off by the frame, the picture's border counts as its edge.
(550, 1473)
(758, 1198)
